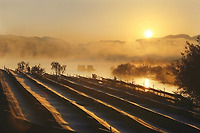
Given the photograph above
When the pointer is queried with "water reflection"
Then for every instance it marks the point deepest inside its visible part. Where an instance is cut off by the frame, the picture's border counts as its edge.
(156, 85)
(146, 83)
(102, 69)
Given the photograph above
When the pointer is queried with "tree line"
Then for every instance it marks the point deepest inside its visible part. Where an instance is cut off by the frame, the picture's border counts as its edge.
(57, 68)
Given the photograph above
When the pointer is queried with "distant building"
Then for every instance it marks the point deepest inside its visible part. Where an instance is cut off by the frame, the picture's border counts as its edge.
(81, 68)
(89, 68)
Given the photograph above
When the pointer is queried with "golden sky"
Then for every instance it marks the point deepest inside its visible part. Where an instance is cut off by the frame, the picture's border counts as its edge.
(89, 20)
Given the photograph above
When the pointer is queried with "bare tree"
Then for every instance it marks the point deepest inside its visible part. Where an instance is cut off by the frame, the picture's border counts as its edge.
(63, 68)
(58, 68)
(23, 66)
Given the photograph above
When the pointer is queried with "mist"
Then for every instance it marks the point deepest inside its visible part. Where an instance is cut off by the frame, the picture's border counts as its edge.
(102, 55)
(129, 71)
(32, 47)
(141, 51)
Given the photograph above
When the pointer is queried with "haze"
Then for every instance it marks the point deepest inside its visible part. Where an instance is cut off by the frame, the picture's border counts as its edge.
(94, 20)
(101, 33)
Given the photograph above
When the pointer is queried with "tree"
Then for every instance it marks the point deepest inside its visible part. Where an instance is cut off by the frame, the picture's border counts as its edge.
(37, 70)
(187, 71)
(23, 66)
(62, 69)
(58, 68)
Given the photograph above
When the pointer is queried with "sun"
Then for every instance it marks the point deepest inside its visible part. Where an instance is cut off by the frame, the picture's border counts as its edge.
(148, 34)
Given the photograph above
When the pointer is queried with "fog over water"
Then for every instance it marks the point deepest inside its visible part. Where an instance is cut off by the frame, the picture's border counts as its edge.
(101, 55)
(102, 69)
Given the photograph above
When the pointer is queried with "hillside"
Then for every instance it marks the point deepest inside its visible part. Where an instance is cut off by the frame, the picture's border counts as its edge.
(19, 46)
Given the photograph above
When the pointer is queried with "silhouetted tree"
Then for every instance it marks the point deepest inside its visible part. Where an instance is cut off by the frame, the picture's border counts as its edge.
(63, 69)
(187, 71)
(59, 69)
(37, 70)
(28, 69)
(130, 71)
(94, 76)
(23, 66)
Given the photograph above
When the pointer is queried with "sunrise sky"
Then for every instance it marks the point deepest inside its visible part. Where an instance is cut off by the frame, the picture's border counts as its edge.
(89, 20)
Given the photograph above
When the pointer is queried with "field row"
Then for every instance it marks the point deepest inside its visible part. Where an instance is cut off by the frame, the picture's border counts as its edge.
(81, 105)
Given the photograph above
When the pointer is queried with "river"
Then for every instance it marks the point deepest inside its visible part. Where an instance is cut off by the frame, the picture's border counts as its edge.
(102, 69)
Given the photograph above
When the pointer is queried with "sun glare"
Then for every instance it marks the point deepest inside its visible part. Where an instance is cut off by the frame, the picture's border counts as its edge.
(148, 34)
(146, 83)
